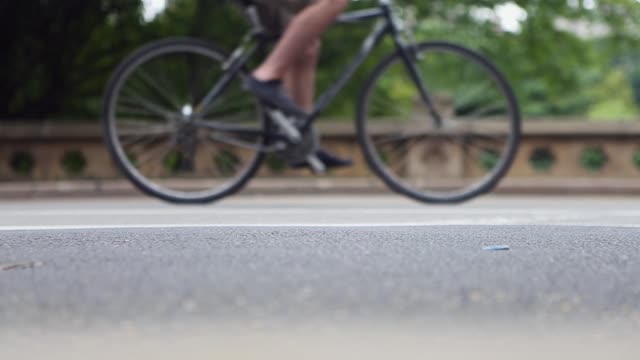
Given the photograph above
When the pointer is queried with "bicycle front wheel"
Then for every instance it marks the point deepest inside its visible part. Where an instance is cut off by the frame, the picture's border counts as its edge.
(452, 154)
(153, 118)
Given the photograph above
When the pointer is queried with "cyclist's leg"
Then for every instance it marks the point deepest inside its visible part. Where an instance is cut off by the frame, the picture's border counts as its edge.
(299, 75)
(305, 28)
(300, 79)
(300, 82)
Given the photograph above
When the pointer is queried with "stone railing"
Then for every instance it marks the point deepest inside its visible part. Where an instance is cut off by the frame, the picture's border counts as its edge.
(550, 149)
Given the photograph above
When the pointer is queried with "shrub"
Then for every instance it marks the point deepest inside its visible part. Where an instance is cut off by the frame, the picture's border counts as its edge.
(593, 159)
(22, 163)
(636, 159)
(489, 159)
(226, 162)
(173, 161)
(542, 159)
(74, 163)
(276, 164)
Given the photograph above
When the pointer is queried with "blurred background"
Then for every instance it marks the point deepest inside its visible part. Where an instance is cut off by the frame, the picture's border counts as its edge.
(573, 63)
(334, 274)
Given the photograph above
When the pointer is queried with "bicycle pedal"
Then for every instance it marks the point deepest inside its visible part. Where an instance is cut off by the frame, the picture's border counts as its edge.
(316, 165)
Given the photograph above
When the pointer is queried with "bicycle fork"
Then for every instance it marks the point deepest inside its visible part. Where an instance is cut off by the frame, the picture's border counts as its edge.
(410, 58)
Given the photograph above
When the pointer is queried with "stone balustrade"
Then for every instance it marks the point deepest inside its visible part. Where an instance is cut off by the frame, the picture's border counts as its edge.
(549, 148)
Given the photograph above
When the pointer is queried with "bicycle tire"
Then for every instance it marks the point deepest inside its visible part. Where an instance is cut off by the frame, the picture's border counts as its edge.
(376, 164)
(124, 164)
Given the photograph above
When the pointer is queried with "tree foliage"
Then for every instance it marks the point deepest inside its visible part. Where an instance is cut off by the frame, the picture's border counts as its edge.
(565, 57)
(58, 53)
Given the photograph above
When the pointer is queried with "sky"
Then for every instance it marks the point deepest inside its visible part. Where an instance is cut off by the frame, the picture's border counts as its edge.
(509, 15)
(153, 7)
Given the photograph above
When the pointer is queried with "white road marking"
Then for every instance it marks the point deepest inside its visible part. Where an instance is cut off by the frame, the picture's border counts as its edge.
(343, 212)
(311, 211)
(294, 225)
(179, 226)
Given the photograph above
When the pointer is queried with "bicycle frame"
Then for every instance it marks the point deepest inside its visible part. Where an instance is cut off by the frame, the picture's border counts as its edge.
(388, 26)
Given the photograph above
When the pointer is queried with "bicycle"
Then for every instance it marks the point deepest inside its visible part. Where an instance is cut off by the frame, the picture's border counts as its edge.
(436, 121)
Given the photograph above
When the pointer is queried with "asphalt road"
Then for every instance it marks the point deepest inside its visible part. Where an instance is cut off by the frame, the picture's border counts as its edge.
(291, 276)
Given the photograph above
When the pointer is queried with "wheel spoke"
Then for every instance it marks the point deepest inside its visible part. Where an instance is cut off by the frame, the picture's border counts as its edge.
(233, 99)
(387, 105)
(462, 137)
(130, 111)
(397, 137)
(155, 153)
(163, 92)
(148, 105)
(136, 140)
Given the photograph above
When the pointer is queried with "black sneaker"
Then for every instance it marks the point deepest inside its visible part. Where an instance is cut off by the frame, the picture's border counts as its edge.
(329, 160)
(272, 93)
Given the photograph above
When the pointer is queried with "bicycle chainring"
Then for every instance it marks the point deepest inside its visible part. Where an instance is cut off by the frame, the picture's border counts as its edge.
(298, 153)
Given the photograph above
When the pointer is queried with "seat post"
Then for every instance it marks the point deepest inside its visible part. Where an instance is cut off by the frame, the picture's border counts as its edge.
(254, 17)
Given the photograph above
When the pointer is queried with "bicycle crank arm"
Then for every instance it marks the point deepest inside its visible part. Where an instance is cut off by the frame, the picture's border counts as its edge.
(286, 125)
(316, 165)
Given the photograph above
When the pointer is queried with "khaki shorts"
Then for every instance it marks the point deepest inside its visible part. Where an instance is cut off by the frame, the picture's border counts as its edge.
(276, 14)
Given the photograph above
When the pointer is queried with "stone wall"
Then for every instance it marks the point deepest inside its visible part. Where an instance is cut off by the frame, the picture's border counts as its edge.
(550, 149)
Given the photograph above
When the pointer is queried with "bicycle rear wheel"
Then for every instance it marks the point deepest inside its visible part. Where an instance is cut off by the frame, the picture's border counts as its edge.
(462, 155)
(151, 117)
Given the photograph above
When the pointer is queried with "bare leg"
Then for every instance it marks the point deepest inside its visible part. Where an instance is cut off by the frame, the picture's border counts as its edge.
(304, 29)
(300, 79)
(294, 62)
(299, 82)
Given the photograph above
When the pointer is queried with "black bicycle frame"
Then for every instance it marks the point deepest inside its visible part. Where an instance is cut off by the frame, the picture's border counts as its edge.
(237, 61)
